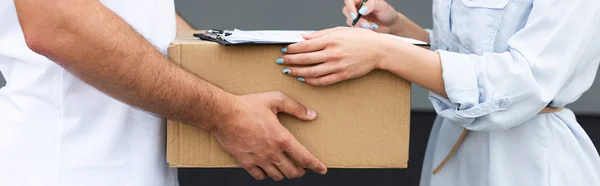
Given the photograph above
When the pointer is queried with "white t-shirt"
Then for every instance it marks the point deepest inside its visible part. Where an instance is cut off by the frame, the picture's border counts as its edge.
(56, 130)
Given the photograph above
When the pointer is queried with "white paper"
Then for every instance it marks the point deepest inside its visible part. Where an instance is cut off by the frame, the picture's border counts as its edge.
(283, 36)
(266, 36)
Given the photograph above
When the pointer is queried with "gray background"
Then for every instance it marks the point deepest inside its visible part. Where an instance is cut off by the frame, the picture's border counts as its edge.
(314, 15)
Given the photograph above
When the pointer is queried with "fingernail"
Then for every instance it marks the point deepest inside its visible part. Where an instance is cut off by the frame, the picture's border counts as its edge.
(279, 61)
(308, 112)
(301, 79)
(323, 172)
(374, 26)
(284, 50)
(353, 15)
(287, 71)
(365, 25)
(363, 10)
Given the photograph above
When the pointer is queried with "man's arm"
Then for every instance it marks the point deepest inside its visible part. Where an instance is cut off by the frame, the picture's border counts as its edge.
(100, 48)
(183, 26)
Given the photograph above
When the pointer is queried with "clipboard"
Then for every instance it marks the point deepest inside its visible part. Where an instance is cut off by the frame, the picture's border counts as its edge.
(219, 36)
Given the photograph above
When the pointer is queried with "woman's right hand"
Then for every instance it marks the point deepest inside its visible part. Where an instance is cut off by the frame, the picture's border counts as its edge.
(381, 17)
(377, 15)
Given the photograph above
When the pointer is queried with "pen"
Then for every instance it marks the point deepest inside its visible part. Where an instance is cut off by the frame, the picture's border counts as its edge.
(358, 16)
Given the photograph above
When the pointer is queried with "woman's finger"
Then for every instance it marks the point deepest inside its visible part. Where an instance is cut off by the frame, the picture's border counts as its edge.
(363, 24)
(307, 58)
(367, 8)
(349, 14)
(346, 13)
(358, 24)
(325, 80)
(322, 33)
(351, 5)
(313, 71)
(306, 46)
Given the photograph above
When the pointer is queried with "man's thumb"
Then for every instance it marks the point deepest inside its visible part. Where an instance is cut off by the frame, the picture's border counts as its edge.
(294, 108)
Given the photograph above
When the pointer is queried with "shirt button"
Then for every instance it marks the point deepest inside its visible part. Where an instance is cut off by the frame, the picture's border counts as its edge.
(503, 104)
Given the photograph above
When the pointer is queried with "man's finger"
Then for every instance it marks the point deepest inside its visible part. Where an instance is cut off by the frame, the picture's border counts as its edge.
(288, 168)
(257, 173)
(301, 155)
(294, 108)
(272, 171)
(313, 71)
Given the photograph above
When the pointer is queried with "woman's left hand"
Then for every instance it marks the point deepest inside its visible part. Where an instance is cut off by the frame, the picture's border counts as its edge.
(333, 55)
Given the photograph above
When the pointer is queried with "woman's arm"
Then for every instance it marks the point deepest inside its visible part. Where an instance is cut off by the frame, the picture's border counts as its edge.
(404, 27)
(415, 64)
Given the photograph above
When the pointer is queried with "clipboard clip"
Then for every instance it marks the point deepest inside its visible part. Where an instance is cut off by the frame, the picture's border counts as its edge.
(219, 34)
(215, 35)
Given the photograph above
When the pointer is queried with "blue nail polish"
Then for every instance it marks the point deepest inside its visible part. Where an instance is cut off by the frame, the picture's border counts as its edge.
(284, 50)
(363, 10)
(374, 26)
(301, 79)
(279, 61)
(287, 71)
(353, 15)
(365, 25)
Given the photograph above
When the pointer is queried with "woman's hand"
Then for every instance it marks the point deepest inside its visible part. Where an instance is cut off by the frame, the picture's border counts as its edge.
(337, 54)
(382, 17)
(376, 15)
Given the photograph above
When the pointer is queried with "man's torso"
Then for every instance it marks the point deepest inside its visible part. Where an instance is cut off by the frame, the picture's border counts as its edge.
(57, 130)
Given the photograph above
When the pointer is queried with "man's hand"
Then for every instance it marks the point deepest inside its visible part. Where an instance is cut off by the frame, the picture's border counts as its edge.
(256, 139)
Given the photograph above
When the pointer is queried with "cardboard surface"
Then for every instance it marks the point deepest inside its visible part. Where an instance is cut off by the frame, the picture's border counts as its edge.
(362, 123)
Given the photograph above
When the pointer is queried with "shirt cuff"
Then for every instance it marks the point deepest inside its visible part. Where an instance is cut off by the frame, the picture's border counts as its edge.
(462, 83)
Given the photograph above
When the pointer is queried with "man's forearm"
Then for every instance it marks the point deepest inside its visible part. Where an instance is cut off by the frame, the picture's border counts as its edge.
(100, 48)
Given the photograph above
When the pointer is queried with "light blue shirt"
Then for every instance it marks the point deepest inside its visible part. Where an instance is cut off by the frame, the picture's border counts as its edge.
(504, 61)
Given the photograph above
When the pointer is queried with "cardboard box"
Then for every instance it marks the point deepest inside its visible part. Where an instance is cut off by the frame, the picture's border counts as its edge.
(362, 123)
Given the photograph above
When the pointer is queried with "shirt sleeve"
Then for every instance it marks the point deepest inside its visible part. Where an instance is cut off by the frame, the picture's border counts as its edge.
(497, 91)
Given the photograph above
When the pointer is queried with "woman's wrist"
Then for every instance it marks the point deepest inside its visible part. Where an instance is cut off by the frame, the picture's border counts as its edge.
(405, 27)
(391, 53)
(398, 28)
